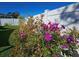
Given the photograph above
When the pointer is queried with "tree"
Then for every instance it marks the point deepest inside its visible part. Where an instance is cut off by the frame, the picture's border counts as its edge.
(15, 14)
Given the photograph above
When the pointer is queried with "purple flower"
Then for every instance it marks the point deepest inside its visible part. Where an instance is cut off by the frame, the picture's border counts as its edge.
(47, 37)
(22, 35)
(50, 26)
(65, 47)
(70, 38)
(45, 27)
(53, 27)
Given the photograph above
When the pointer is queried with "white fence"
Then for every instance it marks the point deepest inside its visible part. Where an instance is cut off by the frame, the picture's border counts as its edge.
(11, 21)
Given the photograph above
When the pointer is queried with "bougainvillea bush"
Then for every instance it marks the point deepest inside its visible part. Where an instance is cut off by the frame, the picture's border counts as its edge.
(37, 39)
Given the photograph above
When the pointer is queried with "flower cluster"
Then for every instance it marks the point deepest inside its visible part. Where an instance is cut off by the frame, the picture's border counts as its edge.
(47, 41)
(52, 37)
(49, 28)
(52, 26)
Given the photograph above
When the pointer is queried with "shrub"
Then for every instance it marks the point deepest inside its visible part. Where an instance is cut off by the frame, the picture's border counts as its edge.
(39, 39)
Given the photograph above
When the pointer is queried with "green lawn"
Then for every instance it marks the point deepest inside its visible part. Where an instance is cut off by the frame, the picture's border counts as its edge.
(5, 51)
(4, 37)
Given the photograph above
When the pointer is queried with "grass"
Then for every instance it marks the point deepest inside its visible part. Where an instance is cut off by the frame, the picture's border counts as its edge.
(11, 27)
(4, 51)
(5, 32)
(4, 36)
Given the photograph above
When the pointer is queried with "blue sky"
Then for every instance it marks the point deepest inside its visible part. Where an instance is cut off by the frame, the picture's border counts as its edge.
(30, 8)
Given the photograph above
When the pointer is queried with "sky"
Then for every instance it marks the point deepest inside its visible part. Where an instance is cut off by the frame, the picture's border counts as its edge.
(30, 8)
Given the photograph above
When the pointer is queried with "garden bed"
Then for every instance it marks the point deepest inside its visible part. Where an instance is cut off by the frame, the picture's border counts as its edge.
(37, 39)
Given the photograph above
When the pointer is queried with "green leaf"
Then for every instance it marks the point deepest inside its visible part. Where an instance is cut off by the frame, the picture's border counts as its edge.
(46, 51)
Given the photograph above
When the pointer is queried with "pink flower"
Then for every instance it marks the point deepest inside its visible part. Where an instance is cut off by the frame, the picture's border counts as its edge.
(70, 39)
(45, 27)
(47, 37)
(22, 35)
(54, 27)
